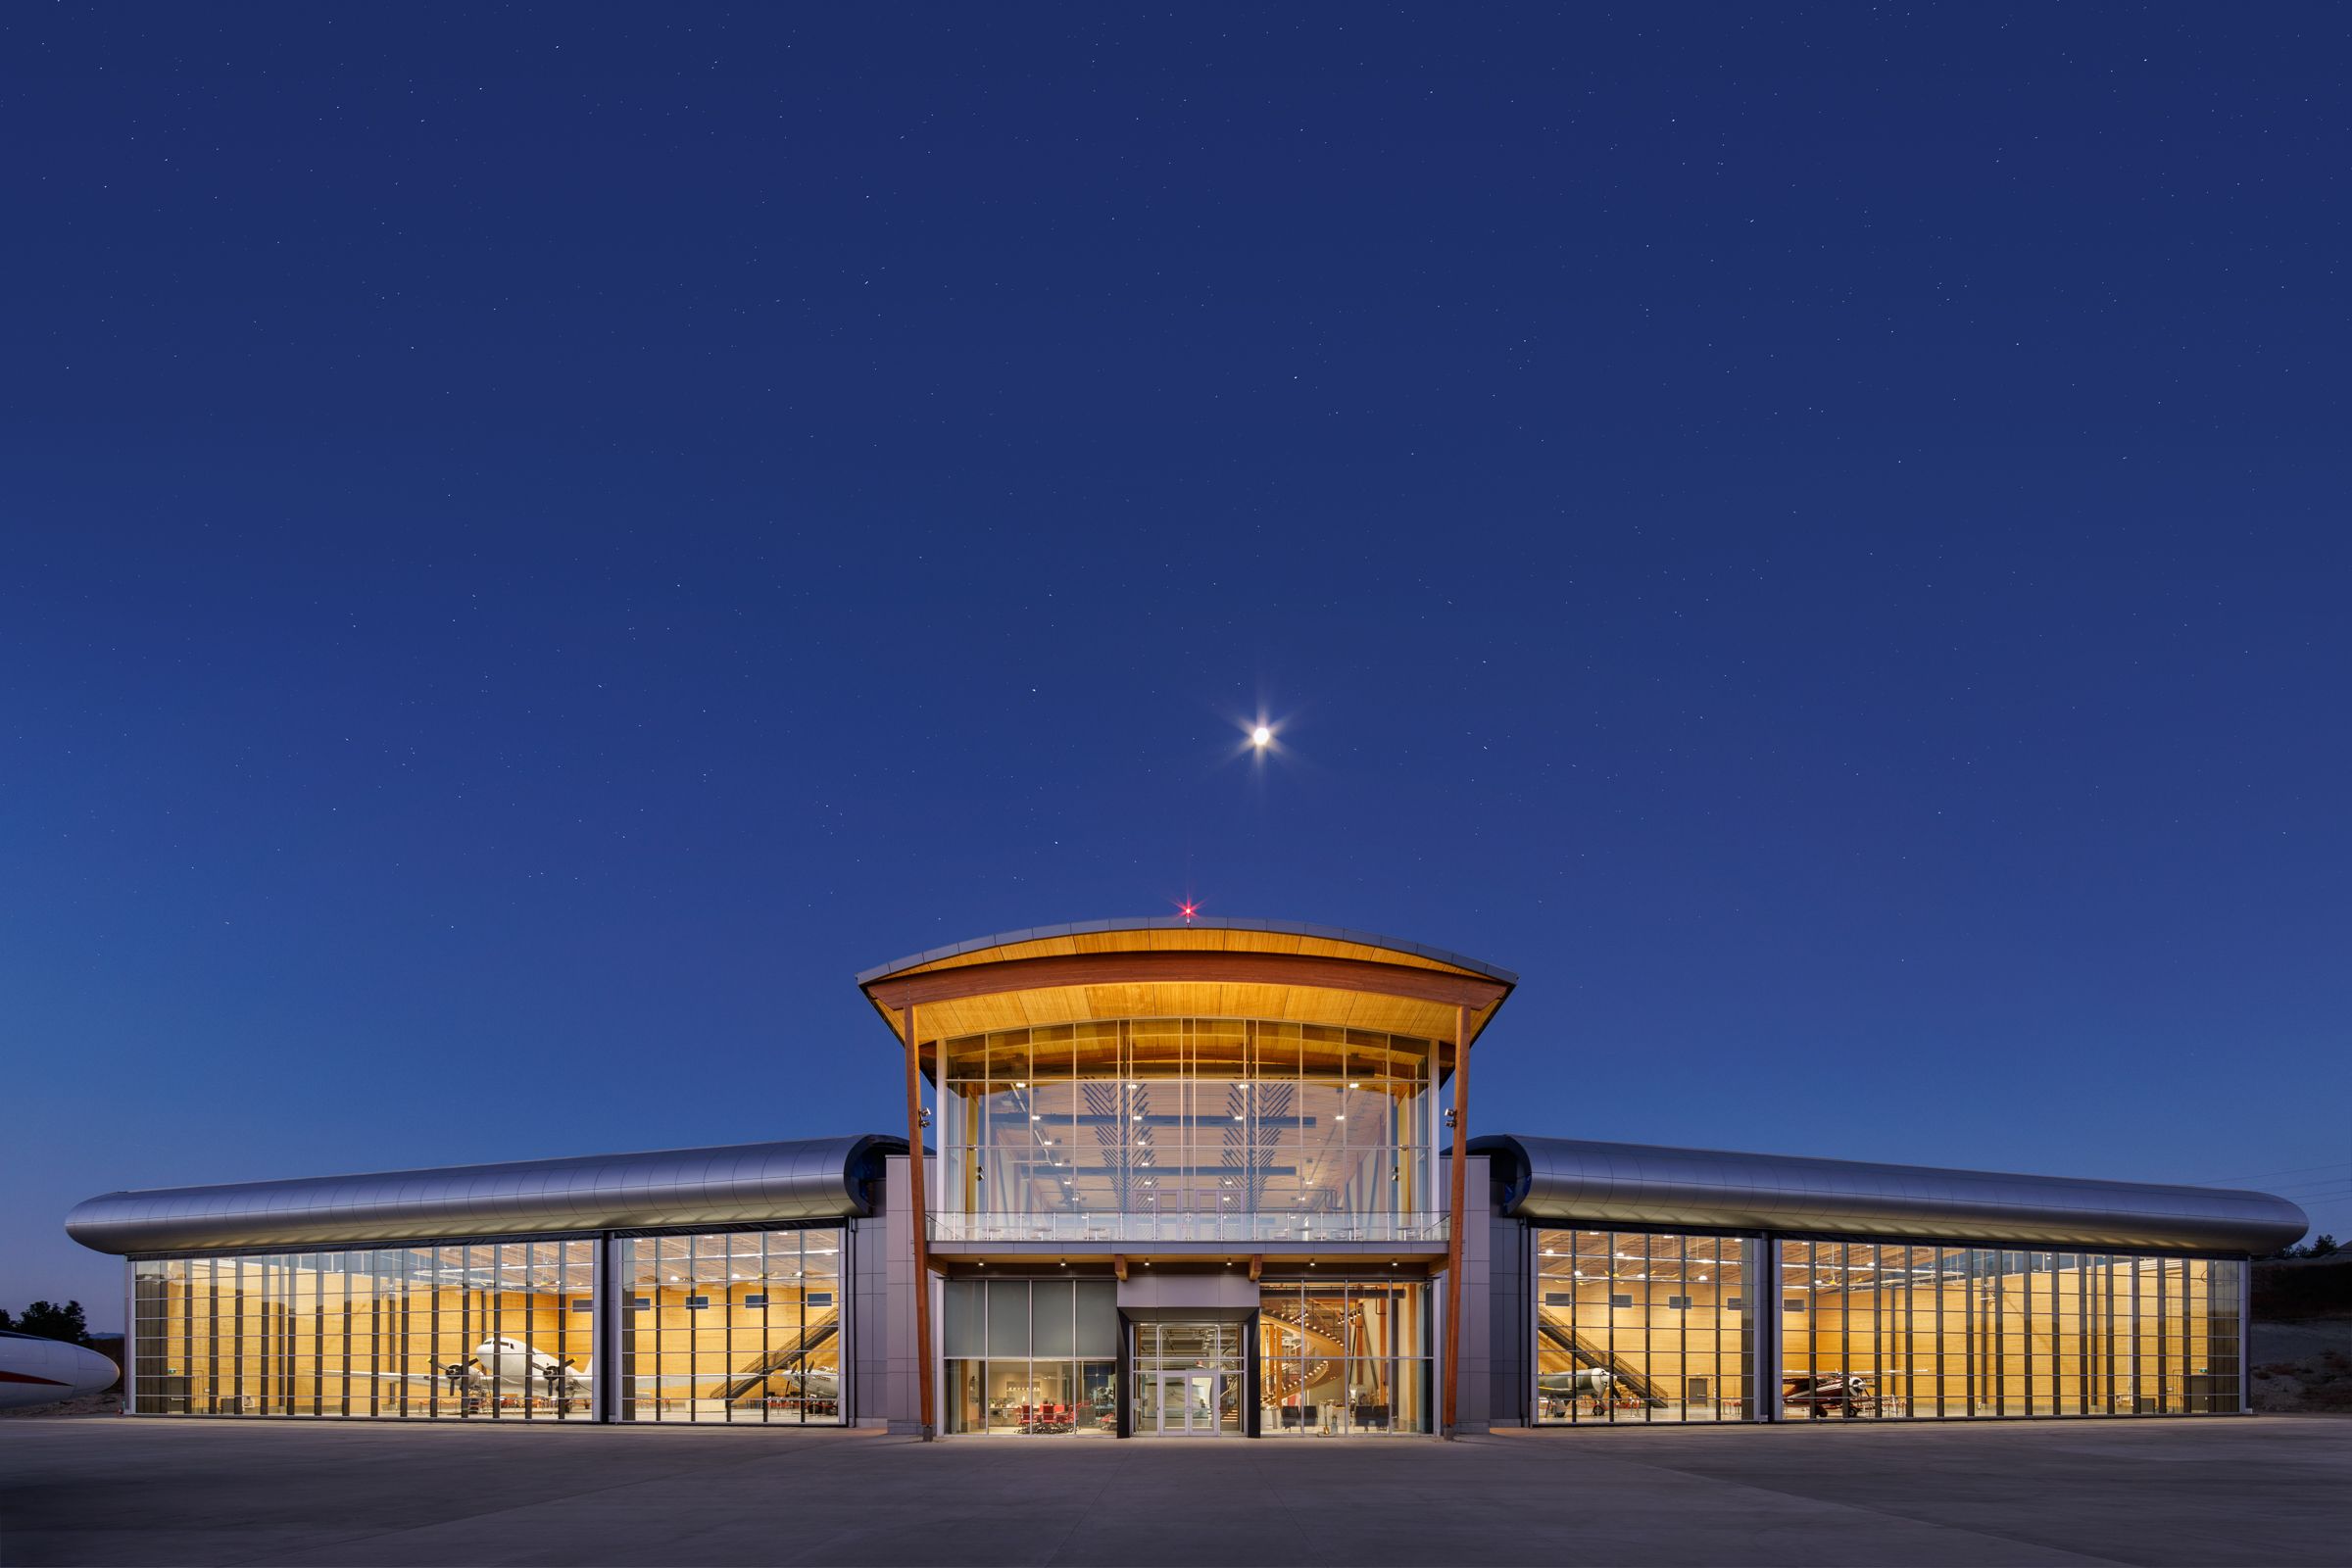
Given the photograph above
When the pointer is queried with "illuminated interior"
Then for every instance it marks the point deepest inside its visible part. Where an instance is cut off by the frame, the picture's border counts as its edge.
(1634, 1327)
(1196, 1129)
(1878, 1332)
(729, 1327)
(1655, 1327)
(1344, 1357)
(741, 1326)
(1031, 1357)
(409, 1332)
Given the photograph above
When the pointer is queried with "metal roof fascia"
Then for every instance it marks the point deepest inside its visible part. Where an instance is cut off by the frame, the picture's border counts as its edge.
(1566, 1179)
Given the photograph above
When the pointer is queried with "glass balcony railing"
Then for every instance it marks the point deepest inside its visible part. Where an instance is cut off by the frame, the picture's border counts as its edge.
(1143, 1228)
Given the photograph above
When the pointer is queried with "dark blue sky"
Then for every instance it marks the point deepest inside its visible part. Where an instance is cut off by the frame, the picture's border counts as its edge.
(539, 541)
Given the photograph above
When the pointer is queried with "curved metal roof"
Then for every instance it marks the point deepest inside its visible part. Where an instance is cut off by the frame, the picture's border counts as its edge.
(1165, 968)
(1085, 935)
(1637, 1184)
(740, 1184)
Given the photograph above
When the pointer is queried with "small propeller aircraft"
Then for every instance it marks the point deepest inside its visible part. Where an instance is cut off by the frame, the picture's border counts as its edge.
(1589, 1381)
(511, 1366)
(1820, 1394)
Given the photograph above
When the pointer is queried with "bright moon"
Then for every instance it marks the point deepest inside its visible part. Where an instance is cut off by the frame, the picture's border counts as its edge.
(1260, 736)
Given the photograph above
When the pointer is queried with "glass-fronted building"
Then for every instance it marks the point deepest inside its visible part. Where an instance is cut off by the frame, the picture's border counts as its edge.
(1678, 1286)
(1186, 1179)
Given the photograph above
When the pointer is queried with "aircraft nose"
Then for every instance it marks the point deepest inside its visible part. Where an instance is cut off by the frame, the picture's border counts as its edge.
(91, 1373)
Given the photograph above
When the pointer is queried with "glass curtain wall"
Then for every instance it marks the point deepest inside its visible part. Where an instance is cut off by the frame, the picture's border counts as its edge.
(1337, 1356)
(1878, 1332)
(489, 1330)
(1210, 1129)
(1031, 1357)
(732, 1327)
(1639, 1327)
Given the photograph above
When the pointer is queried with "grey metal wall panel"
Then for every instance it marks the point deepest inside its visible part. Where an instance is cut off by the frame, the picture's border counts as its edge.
(1512, 1329)
(820, 1178)
(1473, 1390)
(1574, 1181)
(897, 1388)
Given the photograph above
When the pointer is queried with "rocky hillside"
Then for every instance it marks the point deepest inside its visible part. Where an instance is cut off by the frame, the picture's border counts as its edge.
(2302, 1349)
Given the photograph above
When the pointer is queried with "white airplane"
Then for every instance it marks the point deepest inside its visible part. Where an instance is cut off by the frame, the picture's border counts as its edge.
(516, 1368)
(38, 1371)
(513, 1364)
(1592, 1380)
(815, 1388)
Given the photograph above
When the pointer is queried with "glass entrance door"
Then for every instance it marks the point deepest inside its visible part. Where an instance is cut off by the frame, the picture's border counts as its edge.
(1181, 1404)
(1188, 1379)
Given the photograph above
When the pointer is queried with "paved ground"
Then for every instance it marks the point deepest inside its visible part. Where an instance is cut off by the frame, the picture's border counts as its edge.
(2269, 1490)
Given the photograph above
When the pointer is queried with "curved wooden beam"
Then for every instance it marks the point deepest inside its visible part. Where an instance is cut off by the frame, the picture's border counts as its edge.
(1459, 1219)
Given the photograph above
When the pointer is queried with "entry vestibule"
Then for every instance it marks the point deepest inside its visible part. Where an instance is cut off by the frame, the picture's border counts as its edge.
(1179, 1405)
(1190, 1378)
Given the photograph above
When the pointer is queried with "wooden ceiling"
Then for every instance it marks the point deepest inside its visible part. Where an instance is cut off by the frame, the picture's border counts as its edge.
(1185, 971)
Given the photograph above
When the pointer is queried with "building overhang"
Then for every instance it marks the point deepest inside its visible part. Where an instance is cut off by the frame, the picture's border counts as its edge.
(740, 1184)
(1171, 969)
(1575, 1182)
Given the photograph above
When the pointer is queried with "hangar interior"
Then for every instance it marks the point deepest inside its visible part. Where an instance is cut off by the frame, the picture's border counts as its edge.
(358, 1333)
(1658, 1327)
(739, 1326)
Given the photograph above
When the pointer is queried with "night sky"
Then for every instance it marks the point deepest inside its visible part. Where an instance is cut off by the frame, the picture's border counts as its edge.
(539, 541)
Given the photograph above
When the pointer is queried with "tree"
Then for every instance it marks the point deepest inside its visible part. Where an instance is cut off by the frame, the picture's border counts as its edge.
(44, 1320)
(2322, 1246)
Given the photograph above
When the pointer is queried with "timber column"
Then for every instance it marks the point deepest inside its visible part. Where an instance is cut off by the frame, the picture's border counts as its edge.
(921, 1223)
(1456, 1220)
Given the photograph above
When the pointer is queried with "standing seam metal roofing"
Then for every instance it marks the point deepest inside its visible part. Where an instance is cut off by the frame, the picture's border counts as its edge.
(733, 1185)
(1638, 1184)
